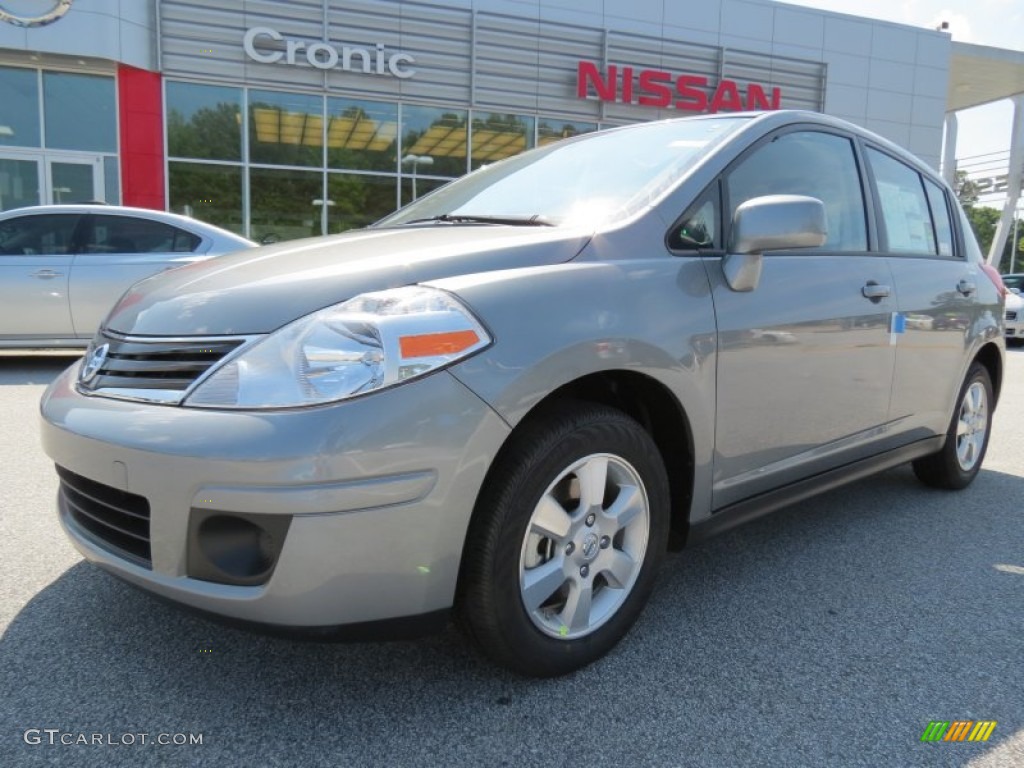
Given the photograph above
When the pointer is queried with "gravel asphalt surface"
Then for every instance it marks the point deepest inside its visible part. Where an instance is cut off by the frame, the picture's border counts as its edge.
(827, 634)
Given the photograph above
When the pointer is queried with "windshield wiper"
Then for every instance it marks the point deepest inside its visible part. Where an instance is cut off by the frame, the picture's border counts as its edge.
(464, 218)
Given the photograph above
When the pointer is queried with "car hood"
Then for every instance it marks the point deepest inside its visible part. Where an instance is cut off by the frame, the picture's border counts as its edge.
(259, 290)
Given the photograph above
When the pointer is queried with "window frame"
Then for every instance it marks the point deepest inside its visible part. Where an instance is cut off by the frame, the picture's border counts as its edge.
(712, 192)
(925, 181)
(859, 165)
(959, 253)
(725, 221)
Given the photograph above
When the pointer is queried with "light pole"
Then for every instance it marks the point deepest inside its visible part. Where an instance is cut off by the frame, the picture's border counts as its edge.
(416, 161)
(323, 205)
(1016, 242)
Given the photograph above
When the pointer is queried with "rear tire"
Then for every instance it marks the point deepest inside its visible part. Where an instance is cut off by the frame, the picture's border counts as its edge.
(957, 464)
(566, 541)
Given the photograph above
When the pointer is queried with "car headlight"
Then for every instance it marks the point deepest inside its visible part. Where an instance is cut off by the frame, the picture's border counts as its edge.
(370, 342)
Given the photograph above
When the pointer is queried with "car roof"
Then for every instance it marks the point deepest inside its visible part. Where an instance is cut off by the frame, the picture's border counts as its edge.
(769, 120)
(186, 222)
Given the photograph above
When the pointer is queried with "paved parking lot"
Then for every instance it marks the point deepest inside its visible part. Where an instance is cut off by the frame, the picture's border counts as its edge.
(828, 634)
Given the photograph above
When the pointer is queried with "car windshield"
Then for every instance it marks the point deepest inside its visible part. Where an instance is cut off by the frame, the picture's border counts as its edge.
(1014, 282)
(598, 177)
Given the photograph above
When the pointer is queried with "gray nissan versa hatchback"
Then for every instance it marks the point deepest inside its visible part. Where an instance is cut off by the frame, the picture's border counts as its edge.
(508, 399)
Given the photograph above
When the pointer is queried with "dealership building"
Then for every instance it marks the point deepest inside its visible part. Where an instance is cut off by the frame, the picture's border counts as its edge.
(289, 119)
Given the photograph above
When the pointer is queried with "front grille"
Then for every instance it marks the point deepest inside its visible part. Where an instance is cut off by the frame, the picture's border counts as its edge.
(1011, 314)
(157, 370)
(117, 520)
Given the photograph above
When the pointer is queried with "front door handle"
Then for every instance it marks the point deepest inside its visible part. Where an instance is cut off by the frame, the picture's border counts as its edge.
(875, 291)
(46, 274)
(966, 287)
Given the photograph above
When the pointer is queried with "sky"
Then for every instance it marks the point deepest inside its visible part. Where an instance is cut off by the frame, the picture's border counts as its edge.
(984, 132)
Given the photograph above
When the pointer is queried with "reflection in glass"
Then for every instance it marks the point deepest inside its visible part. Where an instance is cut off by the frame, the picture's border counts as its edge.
(810, 163)
(574, 181)
(362, 135)
(551, 130)
(908, 225)
(111, 181)
(286, 204)
(72, 183)
(19, 118)
(204, 121)
(437, 134)
(358, 200)
(80, 112)
(19, 183)
(413, 189)
(286, 128)
(210, 193)
(497, 136)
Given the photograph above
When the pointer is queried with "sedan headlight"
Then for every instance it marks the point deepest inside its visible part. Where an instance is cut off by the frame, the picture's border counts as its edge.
(371, 342)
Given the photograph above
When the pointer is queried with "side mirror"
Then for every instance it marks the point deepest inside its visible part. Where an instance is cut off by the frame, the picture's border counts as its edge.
(771, 223)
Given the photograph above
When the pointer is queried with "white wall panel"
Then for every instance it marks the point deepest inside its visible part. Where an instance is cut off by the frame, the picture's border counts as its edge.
(849, 101)
(746, 19)
(929, 81)
(844, 35)
(704, 15)
(890, 76)
(893, 43)
(794, 27)
(885, 105)
(649, 11)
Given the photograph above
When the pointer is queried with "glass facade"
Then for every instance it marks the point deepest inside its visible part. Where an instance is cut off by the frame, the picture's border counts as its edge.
(19, 93)
(81, 112)
(278, 165)
(58, 137)
(204, 121)
(211, 193)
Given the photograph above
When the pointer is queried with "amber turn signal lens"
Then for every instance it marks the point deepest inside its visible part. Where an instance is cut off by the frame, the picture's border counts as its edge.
(434, 344)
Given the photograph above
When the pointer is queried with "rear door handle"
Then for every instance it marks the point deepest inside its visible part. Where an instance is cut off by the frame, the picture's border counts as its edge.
(966, 287)
(875, 291)
(46, 274)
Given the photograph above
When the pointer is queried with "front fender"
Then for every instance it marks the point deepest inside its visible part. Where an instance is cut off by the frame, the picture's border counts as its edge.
(553, 325)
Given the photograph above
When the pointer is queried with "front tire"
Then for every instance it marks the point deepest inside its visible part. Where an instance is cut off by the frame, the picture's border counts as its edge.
(566, 540)
(959, 461)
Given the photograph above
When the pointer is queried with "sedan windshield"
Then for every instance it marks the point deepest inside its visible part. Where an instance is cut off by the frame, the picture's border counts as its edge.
(598, 177)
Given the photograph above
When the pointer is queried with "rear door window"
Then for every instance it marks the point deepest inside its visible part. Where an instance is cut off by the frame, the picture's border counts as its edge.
(907, 225)
(123, 234)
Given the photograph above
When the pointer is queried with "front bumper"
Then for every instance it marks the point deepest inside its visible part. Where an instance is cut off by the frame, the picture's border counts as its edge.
(378, 493)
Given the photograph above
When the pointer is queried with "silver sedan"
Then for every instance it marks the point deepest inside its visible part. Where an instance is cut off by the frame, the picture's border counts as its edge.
(62, 267)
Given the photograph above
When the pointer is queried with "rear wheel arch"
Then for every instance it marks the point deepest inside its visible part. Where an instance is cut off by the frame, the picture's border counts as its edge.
(989, 357)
